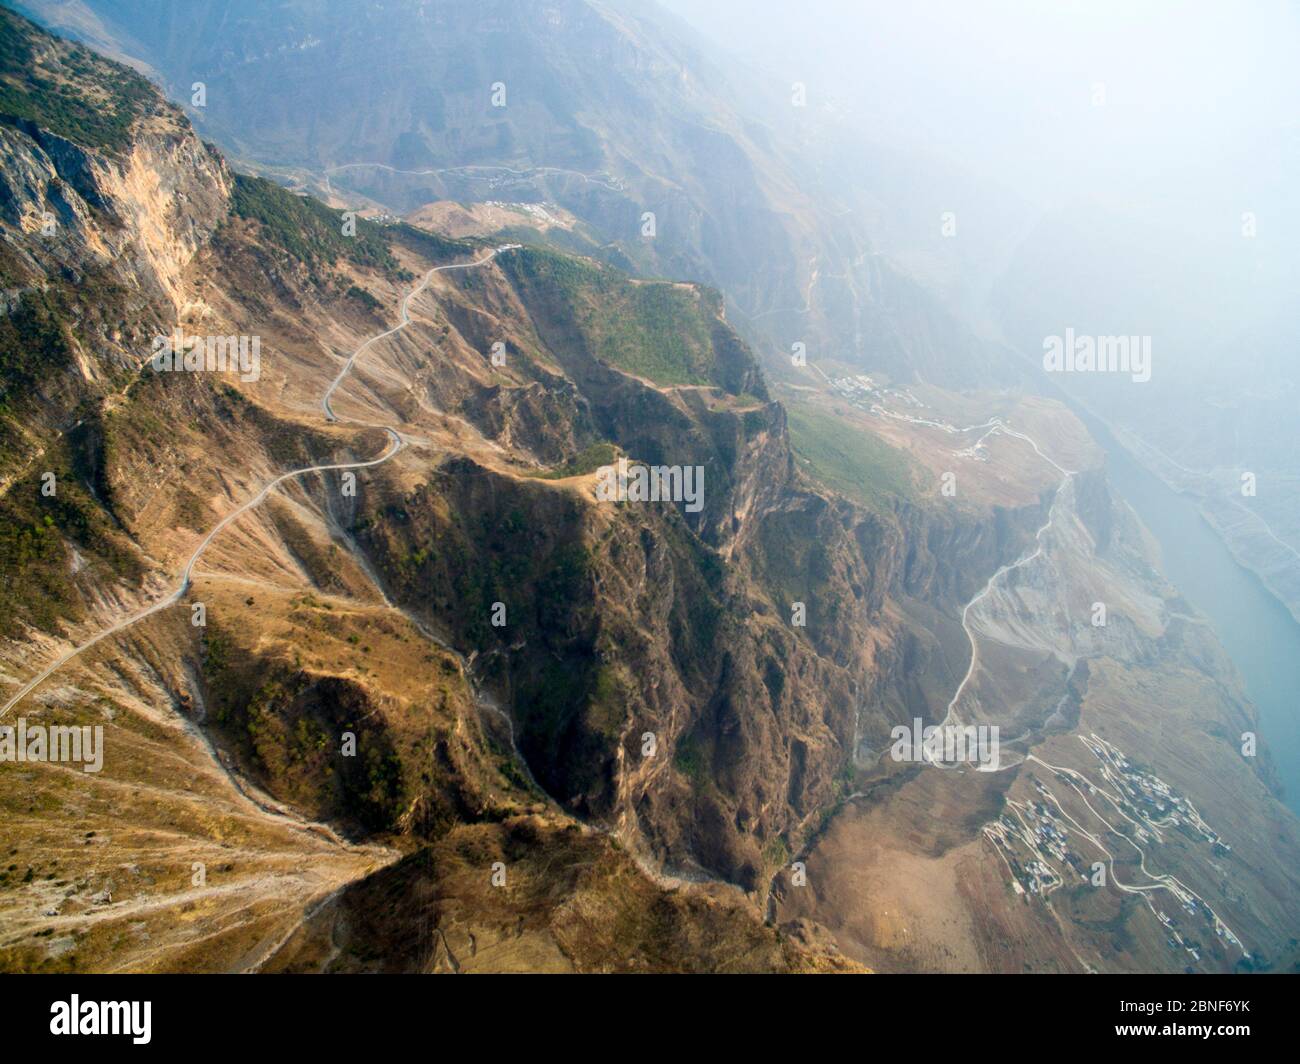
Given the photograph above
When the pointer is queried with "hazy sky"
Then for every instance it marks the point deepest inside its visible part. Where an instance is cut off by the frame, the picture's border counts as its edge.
(1005, 87)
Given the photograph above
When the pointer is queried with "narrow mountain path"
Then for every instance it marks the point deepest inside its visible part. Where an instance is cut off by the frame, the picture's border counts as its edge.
(613, 184)
(993, 426)
(395, 444)
(987, 588)
(1159, 881)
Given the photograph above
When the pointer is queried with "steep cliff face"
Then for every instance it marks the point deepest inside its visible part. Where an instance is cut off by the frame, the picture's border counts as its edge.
(100, 168)
(147, 211)
(106, 195)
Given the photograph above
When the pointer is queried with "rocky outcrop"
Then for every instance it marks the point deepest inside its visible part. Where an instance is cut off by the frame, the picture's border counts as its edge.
(146, 212)
(94, 244)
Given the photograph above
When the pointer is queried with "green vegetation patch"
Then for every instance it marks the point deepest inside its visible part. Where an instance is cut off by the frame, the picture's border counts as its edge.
(657, 330)
(40, 334)
(691, 759)
(307, 229)
(848, 459)
(68, 89)
(364, 297)
(289, 727)
(34, 341)
(35, 531)
(434, 246)
(586, 461)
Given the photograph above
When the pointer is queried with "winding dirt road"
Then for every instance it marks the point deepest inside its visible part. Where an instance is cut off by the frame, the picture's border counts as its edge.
(614, 185)
(395, 443)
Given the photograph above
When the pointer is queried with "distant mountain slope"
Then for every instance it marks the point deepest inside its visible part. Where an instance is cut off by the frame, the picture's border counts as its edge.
(611, 110)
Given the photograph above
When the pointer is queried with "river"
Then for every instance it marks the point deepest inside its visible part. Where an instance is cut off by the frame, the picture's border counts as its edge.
(1259, 633)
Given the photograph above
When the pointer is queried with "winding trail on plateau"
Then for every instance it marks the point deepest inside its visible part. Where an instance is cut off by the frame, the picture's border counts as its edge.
(994, 425)
(541, 171)
(1159, 881)
(395, 443)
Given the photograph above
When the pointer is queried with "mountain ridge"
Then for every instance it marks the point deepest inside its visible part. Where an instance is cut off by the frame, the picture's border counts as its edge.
(372, 613)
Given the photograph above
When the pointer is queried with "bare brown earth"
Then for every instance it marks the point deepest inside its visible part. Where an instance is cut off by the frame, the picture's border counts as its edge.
(483, 219)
